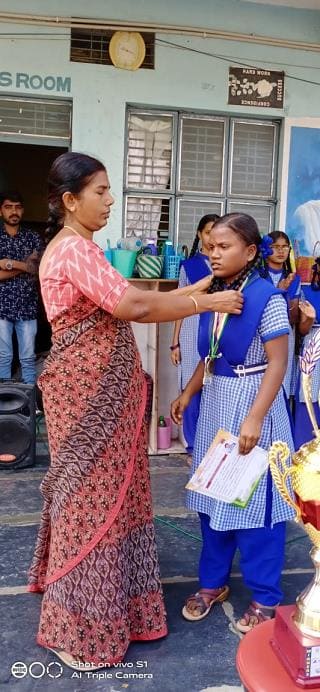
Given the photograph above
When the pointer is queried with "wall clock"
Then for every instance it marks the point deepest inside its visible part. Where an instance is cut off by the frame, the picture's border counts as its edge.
(127, 49)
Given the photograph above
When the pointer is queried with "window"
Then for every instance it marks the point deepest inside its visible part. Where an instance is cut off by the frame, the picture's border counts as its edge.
(35, 121)
(202, 155)
(180, 166)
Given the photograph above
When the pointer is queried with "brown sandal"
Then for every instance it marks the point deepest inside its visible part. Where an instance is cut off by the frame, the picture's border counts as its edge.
(196, 603)
(254, 616)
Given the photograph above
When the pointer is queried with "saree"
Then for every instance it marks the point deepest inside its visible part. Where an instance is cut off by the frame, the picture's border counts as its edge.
(95, 557)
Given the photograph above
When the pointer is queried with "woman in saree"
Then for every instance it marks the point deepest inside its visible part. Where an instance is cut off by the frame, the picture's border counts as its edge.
(95, 557)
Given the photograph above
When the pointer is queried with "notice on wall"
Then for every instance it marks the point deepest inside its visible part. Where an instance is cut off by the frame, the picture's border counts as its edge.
(249, 86)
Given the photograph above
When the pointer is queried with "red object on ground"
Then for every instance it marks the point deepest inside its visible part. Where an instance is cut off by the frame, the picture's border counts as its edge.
(258, 666)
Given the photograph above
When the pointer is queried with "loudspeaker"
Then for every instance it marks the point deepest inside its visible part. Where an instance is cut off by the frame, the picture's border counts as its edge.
(17, 424)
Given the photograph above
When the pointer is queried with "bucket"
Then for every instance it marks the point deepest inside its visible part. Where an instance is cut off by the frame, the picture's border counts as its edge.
(124, 261)
(149, 266)
(164, 435)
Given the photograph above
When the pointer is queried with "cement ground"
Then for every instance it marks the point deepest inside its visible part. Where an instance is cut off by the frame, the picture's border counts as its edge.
(194, 657)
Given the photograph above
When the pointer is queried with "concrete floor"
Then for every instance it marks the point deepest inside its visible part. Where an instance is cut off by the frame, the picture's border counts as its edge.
(194, 657)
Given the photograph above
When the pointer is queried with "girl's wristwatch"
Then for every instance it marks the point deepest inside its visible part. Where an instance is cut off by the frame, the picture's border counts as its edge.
(9, 265)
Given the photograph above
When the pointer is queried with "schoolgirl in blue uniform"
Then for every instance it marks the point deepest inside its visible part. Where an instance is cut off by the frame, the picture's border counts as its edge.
(184, 349)
(303, 430)
(247, 401)
(279, 271)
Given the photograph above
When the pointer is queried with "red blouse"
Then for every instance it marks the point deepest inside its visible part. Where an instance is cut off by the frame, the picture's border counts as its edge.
(75, 267)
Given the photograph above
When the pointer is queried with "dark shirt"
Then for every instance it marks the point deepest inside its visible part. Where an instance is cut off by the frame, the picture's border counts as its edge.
(19, 295)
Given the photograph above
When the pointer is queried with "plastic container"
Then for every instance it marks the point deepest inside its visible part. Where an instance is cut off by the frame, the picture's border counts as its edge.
(164, 435)
(168, 249)
(132, 243)
(108, 255)
(150, 246)
(172, 266)
(149, 266)
(124, 261)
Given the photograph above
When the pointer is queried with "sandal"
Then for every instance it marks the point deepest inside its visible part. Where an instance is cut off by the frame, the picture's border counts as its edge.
(70, 661)
(254, 615)
(196, 607)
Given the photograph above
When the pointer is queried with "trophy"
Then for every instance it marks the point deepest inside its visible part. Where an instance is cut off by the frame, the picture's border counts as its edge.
(296, 636)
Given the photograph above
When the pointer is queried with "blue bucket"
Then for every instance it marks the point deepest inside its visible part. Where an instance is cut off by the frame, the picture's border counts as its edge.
(124, 261)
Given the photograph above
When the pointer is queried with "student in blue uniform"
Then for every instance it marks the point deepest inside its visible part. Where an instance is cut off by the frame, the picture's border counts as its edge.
(279, 271)
(184, 349)
(251, 406)
(303, 431)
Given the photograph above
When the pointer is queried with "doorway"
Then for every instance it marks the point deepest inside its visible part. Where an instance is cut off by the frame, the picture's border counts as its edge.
(25, 168)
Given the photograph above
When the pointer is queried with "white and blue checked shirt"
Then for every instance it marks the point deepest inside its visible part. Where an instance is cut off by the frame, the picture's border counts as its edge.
(225, 403)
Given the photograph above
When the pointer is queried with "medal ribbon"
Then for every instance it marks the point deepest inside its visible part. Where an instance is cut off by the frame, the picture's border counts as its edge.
(219, 323)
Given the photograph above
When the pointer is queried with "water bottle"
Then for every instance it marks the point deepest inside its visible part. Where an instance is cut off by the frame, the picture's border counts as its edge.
(163, 433)
(162, 422)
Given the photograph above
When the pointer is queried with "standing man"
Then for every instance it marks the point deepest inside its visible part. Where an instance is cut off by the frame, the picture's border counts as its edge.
(20, 251)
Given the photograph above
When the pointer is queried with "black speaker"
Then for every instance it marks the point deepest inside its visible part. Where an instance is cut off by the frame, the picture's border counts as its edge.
(17, 425)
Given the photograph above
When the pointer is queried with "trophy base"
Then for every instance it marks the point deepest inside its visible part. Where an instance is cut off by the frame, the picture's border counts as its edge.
(298, 652)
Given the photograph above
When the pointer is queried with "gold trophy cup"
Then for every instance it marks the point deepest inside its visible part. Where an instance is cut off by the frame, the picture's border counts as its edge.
(296, 637)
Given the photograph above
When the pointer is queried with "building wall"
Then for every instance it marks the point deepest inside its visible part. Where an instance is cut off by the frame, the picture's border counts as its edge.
(182, 78)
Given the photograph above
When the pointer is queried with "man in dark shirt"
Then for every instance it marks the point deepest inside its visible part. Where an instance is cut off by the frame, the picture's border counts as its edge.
(20, 250)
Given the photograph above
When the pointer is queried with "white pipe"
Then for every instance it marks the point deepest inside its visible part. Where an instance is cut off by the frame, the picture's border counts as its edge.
(87, 23)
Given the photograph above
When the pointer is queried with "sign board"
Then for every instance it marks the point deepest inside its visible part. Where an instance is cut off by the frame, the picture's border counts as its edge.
(23, 80)
(250, 86)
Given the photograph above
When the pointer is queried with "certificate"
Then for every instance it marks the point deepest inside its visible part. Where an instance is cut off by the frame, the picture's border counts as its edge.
(226, 475)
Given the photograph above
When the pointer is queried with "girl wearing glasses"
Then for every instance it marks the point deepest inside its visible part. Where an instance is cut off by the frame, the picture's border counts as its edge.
(279, 272)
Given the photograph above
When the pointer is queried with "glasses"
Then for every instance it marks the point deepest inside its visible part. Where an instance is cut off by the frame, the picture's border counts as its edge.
(280, 247)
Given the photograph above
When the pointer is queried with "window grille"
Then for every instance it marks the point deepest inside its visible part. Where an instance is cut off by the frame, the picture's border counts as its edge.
(149, 152)
(202, 155)
(213, 164)
(252, 159)
(35, 118)
(147, 214)
(189, 214)
(263, 214)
